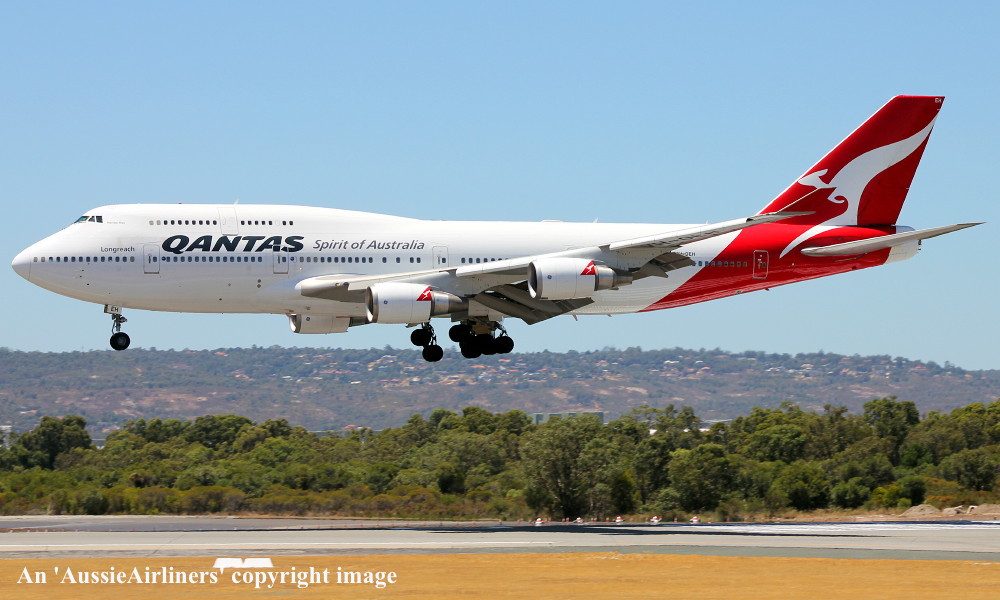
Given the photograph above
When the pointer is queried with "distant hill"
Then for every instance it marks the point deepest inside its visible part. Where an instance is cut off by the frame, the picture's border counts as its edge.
(332, 388)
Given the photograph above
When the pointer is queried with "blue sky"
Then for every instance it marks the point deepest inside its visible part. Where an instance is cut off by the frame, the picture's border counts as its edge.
(626, 111)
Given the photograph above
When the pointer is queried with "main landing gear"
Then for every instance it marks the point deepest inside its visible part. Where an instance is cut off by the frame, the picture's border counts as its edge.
(119, 339)
(425, 337)
(476, 338)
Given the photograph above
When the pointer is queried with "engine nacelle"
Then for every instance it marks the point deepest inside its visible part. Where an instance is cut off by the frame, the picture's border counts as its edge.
(318, 323)
(405, 303)
(569, 278)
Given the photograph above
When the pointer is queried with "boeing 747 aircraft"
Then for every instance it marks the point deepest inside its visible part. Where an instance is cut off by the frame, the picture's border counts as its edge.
(329, 269)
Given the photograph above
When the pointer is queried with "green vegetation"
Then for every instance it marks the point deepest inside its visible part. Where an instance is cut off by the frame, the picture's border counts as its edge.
(480, 465)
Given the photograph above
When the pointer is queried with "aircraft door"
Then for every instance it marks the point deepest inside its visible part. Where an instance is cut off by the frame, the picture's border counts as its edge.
(150, 258)
(227, 221)
(440, 257)
(280, 262)
(760, 264)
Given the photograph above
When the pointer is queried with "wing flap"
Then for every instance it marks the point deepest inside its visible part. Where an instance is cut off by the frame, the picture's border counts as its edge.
(515, 302)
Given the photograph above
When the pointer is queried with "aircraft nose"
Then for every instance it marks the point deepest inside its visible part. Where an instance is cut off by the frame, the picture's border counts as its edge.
(22, 265)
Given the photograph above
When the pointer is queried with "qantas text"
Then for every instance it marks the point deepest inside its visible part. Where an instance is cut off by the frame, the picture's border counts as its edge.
(179, 244)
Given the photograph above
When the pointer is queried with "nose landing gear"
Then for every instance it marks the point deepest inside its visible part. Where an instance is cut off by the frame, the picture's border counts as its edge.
(119, 339)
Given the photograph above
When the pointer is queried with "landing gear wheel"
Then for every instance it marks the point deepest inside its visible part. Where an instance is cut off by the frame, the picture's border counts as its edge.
(421, 337)
(486, 344)
(470, 350)
(433, 353)
(459, 333)
(503, 344)
(120, 341)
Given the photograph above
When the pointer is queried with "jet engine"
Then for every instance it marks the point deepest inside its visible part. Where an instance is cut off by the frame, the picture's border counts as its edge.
(569, 278)
(395, 302)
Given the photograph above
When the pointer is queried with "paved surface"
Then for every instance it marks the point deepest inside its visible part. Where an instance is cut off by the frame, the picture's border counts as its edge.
(52, 537)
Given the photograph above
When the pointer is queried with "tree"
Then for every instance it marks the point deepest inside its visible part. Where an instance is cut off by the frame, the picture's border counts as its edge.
(892, 420)
(552, 461)
(215, 431)
(850, 494)
(701, 476)
(974, 469)
(54, 436)
(805, 485)
(913, 488)
(778, 442)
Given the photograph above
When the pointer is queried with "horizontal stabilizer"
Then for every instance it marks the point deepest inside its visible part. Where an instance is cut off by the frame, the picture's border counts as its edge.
(881, 243)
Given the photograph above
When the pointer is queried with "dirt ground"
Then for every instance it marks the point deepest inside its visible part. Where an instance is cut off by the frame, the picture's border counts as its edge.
(542, 576)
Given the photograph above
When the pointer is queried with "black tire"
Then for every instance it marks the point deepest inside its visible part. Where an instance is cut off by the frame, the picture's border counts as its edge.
(470, 350)
(421, 337)
(486, 344)
(459, 333)
(433, 353)
(120, 341)
(504, 344)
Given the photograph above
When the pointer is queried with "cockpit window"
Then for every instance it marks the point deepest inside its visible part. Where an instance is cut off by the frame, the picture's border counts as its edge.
(82, 219)
(90, 219)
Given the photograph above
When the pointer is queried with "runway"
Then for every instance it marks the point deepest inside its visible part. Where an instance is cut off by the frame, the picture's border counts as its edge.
(78, 536)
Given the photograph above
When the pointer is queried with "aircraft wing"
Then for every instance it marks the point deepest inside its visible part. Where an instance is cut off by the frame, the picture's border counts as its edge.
(663, 243)
(471, 280)
(676, 239)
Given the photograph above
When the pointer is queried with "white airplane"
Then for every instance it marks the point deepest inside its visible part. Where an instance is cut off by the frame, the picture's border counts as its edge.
(330, 269)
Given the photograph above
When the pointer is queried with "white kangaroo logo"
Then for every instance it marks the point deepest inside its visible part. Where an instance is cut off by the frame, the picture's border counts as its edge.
(850, 182)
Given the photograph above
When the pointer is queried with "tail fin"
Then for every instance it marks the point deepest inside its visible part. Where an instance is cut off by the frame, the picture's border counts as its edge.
(864, 180)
